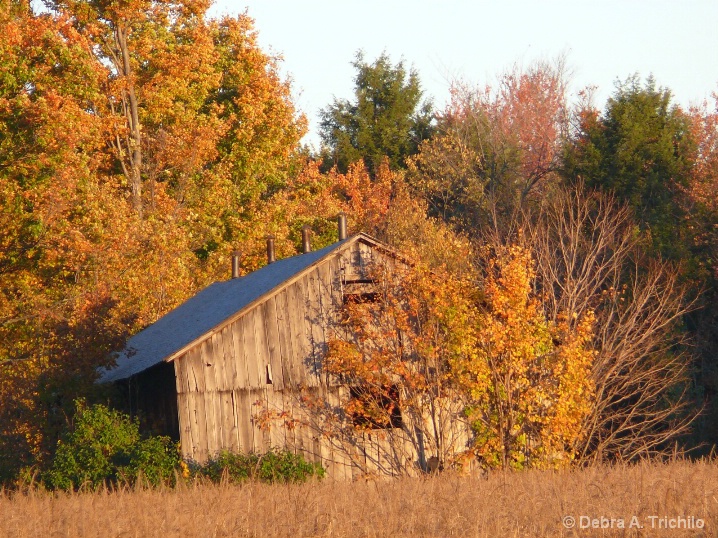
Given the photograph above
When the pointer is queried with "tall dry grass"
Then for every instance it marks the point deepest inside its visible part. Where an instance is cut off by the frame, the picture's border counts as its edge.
(501, 505)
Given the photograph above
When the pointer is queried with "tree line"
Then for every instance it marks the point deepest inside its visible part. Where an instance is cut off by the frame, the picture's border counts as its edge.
(142, 142)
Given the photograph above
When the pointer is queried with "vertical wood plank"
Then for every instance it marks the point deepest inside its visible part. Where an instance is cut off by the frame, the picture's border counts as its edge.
(274, 426)
(216, 348)
(183, 412)
(242, 380)
(223, 375)
(195, 375)
(258, 399)
(207, 366)
(292, 376)
(373, 458)
(194, 437)
(241, 434)
(325, 451)
(366, 259)
(269, 313)
(208, 362)
(181, 381)
(230, 361)
(230, 439)
(200, 426)
(244, 420)
(302, 359)
(331, 300)
(316, 324)
(300, 433)
(195, 370)
(357, 266)
(340, 456)
(249, 351)
(359, 458)
(185, 429)
(262, 353)
(288, 398)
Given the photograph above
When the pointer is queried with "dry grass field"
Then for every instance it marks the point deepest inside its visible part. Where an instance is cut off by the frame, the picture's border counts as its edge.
(534, 504)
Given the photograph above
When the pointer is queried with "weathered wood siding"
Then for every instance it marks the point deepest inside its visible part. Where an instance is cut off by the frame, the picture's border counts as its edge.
(261, 360)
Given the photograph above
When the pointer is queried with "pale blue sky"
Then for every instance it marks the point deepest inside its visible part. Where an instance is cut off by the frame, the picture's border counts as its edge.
(603, 40)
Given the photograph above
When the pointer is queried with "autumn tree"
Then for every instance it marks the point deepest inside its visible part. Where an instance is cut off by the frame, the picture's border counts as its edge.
(701, 207)
(441, 366)
(495, 147)
(91, 253)
(393, 352)
(387, 117)
(702, 203)
(382, 206)
(528, 378)
(47, 137)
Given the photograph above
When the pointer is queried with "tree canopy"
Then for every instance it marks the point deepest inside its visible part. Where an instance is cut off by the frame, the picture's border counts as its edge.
(642, 150)
(386, 118)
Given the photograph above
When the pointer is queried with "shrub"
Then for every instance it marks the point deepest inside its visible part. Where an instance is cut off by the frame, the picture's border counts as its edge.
(154, 459)
(105, 447)
(273, 466)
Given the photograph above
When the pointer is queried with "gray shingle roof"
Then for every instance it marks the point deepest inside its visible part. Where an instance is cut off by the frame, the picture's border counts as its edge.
(205, 311)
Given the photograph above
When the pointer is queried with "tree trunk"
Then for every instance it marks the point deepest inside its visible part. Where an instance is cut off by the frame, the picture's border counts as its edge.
(131, 154)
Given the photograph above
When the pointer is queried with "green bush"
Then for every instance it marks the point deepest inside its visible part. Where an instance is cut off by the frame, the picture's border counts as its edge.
(105, 447)
(274, 466)
(155, 459)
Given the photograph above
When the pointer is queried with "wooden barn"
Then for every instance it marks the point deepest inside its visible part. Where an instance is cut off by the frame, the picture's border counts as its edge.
(205, 371)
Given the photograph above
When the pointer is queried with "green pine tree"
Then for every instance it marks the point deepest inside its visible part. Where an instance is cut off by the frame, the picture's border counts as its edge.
(641, 150)
(387, 117)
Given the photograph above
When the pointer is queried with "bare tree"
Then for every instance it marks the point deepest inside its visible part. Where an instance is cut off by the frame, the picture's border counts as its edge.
(589, 256)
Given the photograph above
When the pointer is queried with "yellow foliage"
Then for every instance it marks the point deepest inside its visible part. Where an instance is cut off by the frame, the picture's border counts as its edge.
(529, 379)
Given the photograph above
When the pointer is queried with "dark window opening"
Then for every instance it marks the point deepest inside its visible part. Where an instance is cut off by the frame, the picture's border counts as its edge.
(360, 291)
(375, 408)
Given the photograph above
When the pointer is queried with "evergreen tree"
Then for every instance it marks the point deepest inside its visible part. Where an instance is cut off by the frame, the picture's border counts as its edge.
(641, 150)
(387, 117)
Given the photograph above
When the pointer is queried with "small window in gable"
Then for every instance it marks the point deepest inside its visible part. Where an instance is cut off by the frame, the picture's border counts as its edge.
(359, 291)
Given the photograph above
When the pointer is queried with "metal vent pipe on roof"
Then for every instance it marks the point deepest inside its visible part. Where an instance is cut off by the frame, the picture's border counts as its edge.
(270, 249)
(342, 224)
(306, 239)
(235, 263)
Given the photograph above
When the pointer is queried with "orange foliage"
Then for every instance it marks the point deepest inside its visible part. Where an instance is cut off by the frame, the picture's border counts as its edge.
(702, 201)
(395, 350)
(83, 264)
(498, 146)
(438, 350)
